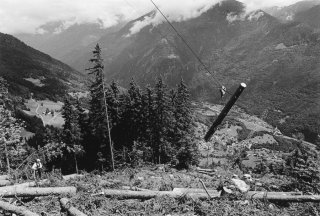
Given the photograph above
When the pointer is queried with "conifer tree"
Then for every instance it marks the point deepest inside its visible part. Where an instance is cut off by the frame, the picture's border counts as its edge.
(99, 122)
(71, 134)
(148, 120)
(132, 113)
(162, 117)
(186, 146)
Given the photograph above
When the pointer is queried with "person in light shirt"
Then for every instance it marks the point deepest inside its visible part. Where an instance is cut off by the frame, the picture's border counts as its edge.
(37, 166)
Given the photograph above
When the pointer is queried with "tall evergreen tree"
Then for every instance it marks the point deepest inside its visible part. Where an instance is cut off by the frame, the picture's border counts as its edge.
(162, 118)
(186, 146)
(71, 133)
(99, 122)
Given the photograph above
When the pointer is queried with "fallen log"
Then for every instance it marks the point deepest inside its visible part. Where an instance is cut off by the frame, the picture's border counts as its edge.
(4, 182)
(19, 210)
(201, 194)
(134, 188)
(128, 194)
(4, 177)
(205, 170)
(206, 173)
(65, 204)
(7, 192)
(282, 196)
(72, 176)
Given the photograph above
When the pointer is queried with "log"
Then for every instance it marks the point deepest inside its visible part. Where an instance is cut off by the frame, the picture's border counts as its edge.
(72, 176)
(65, 204)
(4, 183)
(206, 173)
(19, 210)
(224, 112)
(282, 196)
(9, 192)
(4, 177)
(128, 194)
(205, 170)
(134, 188)
(202, 195)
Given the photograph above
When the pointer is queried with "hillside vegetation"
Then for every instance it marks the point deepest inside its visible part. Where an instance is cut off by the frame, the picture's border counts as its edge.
(23, 66)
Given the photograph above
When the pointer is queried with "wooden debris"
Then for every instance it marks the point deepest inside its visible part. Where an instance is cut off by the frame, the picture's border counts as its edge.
(202, 194)
(205, 170)
(283, 196)
(19, 210)
(9, 192)
(134, 188)
(72, 176)
(128, 194)
(65, 204)
(205, 188)
(4, 182)
(4, 177)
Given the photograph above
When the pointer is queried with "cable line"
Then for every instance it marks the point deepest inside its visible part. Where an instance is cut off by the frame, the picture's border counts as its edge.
(189, 47)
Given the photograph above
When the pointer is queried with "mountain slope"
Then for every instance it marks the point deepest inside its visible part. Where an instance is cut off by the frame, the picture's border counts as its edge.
(310, 17)
(288, 13)
(29, 70)
(278, 61)
(66, 44)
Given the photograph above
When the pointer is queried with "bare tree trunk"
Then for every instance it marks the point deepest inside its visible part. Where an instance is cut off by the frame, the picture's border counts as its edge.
(76, 162)
(65, 204)
(7, 157)
(9, 192)
(108, 125)
(19, 210)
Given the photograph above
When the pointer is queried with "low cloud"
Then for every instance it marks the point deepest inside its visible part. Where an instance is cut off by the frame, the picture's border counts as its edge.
(26, 16)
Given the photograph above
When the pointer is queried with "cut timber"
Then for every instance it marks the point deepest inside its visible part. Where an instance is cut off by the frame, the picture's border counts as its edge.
(134, 188)
(19, 210)
(127, 194)
(282, 196)
(4, 182)
(4, 177)
(65, 204)
(224, 112)
(206, 173)
(202, 195)
(205, 170)
(72, 176)
(32, 184)
(9, 192)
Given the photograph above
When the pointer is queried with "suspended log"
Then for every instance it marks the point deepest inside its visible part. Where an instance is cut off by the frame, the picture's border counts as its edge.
(224, 112)
(18, 210)
(9, 192)
(65, 204)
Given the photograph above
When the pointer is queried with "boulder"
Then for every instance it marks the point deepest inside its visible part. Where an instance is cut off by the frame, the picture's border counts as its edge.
(241, 185)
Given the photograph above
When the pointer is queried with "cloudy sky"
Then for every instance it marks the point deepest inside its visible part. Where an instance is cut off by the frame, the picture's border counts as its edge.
(25, 16)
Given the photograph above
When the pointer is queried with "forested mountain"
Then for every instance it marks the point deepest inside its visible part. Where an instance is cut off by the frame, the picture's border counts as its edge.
(288, 13)
(310, 17)
(279, 61)
(66, 43)
(28, 70)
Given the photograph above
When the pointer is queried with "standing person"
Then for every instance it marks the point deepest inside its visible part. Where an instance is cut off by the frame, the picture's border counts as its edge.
(37, 166)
